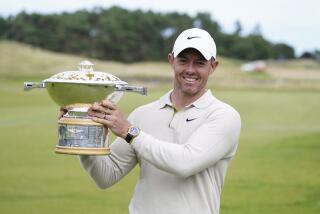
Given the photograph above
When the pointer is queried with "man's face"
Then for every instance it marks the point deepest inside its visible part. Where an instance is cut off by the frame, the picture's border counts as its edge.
(191, 71)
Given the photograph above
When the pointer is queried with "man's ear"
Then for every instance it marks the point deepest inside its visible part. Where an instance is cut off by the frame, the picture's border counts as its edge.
(170, 58)
(214, 64)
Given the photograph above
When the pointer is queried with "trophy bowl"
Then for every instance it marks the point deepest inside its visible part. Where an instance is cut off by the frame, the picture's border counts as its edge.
(75, 91)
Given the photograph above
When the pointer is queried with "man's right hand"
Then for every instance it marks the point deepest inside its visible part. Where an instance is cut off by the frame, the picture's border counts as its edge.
(62, 111)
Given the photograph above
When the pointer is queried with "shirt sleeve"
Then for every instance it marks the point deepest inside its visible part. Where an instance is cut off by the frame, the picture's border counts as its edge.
(214, 140)
(108, 170)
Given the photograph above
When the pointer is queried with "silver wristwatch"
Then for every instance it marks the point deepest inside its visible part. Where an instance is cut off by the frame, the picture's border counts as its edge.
(133, 132)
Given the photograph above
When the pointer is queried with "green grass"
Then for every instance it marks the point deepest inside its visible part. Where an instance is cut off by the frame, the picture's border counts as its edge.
(275, 171)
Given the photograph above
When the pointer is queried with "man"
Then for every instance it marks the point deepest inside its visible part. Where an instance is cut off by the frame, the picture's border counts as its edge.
(183, 142)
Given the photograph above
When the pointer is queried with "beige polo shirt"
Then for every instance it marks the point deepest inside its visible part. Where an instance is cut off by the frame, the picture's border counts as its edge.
(183, 156)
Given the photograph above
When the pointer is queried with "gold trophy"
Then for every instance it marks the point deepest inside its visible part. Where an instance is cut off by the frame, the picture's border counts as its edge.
(75, 91)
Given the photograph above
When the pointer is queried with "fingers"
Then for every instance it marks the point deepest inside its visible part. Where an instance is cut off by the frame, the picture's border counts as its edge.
(93, 113)
(106, 120)
(110, 116)
(99, 107)
(103, 112)
(108, 104)
(62, 112)
(118, 126)
(103, 121)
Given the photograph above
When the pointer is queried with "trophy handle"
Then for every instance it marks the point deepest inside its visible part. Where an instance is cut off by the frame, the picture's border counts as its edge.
(140, 90)
(30, 85)
(115, 96)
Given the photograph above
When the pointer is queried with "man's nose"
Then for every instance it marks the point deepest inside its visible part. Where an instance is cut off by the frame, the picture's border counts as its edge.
(190, 67)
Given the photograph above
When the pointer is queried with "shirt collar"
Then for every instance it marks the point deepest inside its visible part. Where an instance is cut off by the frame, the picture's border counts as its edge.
(165, 100)
(204, 101)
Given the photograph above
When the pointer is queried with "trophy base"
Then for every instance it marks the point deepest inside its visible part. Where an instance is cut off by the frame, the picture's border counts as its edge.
(79, 135)
(82, 151)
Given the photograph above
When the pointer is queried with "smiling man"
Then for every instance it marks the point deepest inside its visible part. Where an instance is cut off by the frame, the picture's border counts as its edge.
(183, 142)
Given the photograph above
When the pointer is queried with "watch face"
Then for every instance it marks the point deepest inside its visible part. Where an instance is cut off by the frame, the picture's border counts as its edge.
(134, 131)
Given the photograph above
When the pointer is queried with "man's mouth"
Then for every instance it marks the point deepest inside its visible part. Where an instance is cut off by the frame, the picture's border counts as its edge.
(190, 79)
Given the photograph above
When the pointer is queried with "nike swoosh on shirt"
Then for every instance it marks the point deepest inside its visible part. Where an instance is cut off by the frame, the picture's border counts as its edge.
(188, 120)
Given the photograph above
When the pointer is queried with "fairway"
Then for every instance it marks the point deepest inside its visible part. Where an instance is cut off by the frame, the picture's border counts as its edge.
(276, 169)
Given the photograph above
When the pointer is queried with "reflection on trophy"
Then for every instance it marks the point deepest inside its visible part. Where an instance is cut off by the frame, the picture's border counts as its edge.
(76, 91)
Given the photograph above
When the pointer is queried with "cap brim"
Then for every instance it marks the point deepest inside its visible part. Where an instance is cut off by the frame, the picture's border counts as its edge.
(204, 53)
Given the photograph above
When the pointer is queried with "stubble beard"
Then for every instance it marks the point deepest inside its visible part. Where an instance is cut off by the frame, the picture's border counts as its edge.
(186, 91)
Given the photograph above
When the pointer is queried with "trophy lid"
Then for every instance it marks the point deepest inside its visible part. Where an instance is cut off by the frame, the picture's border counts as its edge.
(85, 75)
(84, 86)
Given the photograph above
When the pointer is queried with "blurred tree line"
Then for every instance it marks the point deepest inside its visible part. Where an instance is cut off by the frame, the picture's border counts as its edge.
(119, 34)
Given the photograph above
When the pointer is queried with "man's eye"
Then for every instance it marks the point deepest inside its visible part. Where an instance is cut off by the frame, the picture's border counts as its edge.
(201, 63)
(182, 60)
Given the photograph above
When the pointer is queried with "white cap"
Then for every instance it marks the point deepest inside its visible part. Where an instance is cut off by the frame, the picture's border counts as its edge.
(198, 39)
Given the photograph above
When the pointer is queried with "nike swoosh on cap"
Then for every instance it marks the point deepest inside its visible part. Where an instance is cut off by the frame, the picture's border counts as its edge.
(192, 37)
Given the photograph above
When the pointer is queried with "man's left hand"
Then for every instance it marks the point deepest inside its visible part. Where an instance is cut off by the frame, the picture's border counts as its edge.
(108, 114)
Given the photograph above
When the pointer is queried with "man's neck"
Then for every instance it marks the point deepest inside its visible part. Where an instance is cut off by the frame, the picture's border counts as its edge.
(181, 100)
